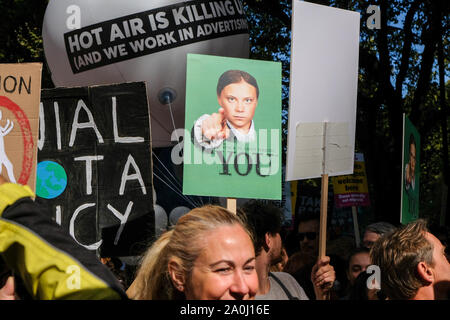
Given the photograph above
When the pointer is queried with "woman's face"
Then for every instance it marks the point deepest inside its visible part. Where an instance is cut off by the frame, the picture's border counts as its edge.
(358, 263)
(225, 269)
(239, 101)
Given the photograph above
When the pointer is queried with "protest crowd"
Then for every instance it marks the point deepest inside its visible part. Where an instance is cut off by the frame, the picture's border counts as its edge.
(212, 253)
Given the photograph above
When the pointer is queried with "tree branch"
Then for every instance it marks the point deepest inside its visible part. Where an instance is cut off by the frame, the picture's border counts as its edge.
(430, 39)
(406, 51)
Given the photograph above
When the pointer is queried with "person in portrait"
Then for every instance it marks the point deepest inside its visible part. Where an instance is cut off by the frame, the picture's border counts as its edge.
(410, 168)
(237, 96)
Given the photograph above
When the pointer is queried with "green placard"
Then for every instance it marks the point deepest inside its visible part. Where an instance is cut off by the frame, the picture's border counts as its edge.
(247, 163)
(410, 172)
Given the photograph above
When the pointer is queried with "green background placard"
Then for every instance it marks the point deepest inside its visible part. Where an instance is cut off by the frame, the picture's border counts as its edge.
(410, 195)
(204, 173)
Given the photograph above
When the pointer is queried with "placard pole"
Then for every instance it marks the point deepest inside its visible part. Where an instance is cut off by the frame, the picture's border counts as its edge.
(324, 207)
(356, 226)
(323, 217)
(323, 200)
(231, 205)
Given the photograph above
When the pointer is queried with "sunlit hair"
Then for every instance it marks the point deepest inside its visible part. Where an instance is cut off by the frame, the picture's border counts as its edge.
(236, 76)
(398, 254)
(184, 243)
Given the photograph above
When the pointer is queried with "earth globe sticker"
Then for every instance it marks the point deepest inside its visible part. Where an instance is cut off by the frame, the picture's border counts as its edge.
(51, 179)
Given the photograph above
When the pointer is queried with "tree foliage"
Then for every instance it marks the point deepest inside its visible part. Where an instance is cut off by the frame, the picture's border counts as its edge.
(21, 33)
(398, 73)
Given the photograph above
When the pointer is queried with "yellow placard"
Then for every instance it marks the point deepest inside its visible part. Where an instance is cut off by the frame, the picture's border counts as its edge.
(355, 183)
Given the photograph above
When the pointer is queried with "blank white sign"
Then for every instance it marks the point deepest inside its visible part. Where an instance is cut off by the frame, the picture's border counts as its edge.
(323, 87)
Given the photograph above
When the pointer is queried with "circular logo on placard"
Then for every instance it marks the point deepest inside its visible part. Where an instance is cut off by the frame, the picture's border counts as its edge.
(51, 179)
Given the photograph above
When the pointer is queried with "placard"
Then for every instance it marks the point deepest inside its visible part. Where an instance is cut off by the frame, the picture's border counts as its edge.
(246, 162)
(95, 165)
(410, 172)
(323, 89)
(352, 190)
(20, 90)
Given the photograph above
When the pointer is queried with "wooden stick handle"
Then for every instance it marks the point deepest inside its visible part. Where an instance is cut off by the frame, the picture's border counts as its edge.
(323, 217)
(231, 205)
(356, 226)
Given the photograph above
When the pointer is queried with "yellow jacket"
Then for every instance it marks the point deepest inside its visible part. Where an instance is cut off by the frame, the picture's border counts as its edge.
(48, 260)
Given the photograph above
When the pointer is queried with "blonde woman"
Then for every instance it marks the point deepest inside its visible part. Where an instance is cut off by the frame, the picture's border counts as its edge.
(209, 255)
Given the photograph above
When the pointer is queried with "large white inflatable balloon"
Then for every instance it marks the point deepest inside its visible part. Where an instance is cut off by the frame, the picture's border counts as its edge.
(89, 42)
(176, 214)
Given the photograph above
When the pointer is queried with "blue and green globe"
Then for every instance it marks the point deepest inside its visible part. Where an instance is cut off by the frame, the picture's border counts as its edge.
(51, 179)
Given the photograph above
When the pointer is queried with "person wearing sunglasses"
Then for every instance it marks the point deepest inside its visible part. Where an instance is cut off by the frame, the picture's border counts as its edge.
(302, 262)
(307, 236)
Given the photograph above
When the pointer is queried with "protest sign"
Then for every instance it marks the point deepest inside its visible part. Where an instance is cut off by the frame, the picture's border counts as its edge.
(247, 164)
(352, 190)
(20, 90)
(323, 89)
(409, 210)
(95, 166)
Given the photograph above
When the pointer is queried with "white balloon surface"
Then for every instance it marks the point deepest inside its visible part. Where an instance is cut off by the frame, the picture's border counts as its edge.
(161, 221)
(79, 59)
(176, 214)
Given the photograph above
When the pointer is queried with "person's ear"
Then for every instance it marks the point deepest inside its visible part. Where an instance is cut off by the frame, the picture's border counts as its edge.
(177, 275)
(425, 272)
(267, 241)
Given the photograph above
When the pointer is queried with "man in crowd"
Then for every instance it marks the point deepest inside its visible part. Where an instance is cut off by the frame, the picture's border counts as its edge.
(265, 222)
(413, 264)
(374, 231)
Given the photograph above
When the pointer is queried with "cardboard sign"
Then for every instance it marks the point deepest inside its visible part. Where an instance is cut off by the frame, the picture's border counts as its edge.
(352, 190)
(247, 162)
(410, 172)
(95, 165)
(323, 89)
(20, 90)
